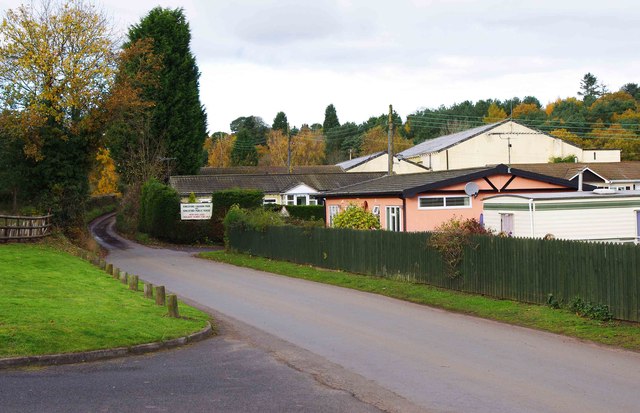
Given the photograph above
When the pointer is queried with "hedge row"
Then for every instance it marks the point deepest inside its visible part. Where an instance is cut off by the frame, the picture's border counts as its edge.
(160, 214)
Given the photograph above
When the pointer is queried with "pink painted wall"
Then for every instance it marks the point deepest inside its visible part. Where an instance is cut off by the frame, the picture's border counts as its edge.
(428, 219)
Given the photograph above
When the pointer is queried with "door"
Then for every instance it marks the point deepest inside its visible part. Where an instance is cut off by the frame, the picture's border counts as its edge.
(394, 218)
(506, 224)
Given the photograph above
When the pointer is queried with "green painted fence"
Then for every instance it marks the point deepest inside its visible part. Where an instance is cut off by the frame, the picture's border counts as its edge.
(526, 270)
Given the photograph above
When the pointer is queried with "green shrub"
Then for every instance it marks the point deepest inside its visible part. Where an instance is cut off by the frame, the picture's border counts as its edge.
(223, 200)
(306, 212)
(450, 238)
(254, 219)
(590, 310)
(355, 217)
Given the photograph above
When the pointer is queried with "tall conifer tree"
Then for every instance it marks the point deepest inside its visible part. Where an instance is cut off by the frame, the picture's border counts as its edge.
(178, 115)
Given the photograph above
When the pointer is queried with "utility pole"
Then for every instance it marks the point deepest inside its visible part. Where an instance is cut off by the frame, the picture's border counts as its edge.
(288, 150)
(390, 137)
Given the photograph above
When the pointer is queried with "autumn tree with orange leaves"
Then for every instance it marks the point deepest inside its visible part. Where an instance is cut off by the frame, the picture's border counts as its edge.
(307, 148)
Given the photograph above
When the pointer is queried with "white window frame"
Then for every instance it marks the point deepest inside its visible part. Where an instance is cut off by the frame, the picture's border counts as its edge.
(333, 211)
(444, 201)
(376, 210)
(393, 212)
(292, 199)
(512, 217)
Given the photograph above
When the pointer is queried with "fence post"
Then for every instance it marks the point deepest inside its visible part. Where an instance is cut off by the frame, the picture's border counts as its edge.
(160, 295)
(109, 268)
(172, 305)
(115, 273)
(133, 282)
(148, 290)
(123, 277)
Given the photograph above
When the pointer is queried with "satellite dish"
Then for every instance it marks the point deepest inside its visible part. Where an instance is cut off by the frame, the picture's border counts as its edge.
(471, 189)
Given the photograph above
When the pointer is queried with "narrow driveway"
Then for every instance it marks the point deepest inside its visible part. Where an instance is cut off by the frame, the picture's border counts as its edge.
(437, 360)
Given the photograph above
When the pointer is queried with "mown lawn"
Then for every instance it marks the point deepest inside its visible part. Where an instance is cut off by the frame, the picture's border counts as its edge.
(561, 321)
(54, 302)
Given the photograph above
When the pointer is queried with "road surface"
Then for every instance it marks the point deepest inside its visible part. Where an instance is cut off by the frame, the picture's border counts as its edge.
(408, 355)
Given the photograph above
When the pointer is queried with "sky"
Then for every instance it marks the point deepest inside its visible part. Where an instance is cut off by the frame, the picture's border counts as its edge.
(259, 57)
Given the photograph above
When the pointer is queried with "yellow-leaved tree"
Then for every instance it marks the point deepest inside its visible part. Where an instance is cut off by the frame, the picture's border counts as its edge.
(219, 149)
(103, 178)
(307, 148)
(494, 114)
(56, 64)
(376, 139)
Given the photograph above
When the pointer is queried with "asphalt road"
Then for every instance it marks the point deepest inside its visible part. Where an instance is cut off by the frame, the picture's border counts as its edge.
(407, 354)
(217, 375)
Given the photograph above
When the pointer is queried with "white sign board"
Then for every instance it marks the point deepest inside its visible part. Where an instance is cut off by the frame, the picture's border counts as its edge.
(195, 211)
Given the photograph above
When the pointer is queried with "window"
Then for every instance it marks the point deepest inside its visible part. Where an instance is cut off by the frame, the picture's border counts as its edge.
(433, 202)
(506, 224)
(376, 211)
(297, 199)
(333, 211)
(393, 218)
(268, 201)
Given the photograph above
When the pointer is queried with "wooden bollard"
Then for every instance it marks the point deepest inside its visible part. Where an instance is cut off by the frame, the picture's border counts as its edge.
(103, 265)
(116, 273)
(133, 282)
(109, 268)
(172, 305)
(124, 277)
(148, 290)
(160, 295)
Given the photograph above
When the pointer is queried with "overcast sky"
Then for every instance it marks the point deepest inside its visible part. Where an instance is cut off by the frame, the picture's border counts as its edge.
(259, 57)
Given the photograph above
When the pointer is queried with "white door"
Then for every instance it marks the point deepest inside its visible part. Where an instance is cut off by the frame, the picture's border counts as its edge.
(506, 224)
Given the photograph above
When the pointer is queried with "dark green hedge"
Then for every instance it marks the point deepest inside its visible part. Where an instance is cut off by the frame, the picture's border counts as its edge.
(306, 212)
(160, 214)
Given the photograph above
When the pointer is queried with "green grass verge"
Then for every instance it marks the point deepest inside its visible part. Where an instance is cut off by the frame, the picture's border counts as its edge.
(54, 302)
(619, 334)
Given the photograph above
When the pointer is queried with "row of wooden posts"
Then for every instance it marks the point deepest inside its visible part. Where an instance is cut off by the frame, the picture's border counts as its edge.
(133, 281)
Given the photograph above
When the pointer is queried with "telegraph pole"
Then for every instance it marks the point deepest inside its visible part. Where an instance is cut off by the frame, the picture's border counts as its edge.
(288, 150)
(390, 137)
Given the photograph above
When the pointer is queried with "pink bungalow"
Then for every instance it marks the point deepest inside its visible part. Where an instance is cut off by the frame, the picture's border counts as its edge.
(423, 201)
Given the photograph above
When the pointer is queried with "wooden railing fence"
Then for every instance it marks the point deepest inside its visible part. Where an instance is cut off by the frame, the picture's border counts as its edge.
(22, 228)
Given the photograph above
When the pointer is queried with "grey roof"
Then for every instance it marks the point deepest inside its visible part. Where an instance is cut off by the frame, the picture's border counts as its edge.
(352, 163)
(268, 183)
(408, 185)
(397, 184)
(447, 141)
(263, 170)
(609, 171)
(543, 196)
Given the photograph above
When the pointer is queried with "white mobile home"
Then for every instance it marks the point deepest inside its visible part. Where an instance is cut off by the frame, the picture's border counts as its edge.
(602, 215)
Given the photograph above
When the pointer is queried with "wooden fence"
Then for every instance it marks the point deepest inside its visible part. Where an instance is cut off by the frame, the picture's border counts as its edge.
(17, 228)
(526, 270)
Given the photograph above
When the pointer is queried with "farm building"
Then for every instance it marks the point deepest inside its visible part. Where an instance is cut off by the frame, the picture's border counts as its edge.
(602, 215)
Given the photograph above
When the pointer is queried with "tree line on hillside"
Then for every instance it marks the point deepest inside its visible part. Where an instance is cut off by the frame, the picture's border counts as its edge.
(81, 113)
(598, 119)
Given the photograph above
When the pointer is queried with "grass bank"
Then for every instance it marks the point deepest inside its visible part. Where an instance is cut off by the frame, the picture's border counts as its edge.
(54, 302)
(561, 321)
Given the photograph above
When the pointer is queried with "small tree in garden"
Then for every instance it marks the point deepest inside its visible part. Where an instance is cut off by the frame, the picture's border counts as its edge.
(451, 237)
(355, 217)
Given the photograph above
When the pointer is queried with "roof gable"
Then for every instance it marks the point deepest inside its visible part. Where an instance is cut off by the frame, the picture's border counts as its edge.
(447, 141)
(409, 185)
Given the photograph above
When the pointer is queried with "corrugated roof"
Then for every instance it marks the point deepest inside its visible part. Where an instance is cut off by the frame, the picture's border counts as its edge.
(263, 170)
(268, 183)
(444, 142)
(352, 163)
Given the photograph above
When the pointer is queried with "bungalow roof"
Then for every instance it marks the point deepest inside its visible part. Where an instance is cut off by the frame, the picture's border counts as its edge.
(268, 183)
(409, 185)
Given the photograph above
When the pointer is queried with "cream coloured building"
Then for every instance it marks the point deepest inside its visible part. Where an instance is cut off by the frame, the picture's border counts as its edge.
(507, 142)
